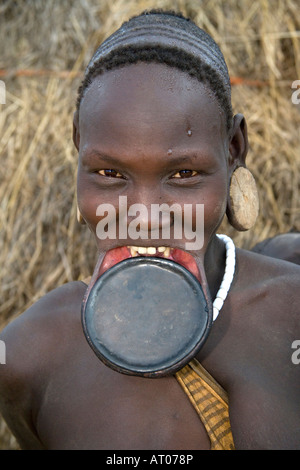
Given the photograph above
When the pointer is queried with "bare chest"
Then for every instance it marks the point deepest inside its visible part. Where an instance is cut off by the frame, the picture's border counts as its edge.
(86, 405)
(106, 410)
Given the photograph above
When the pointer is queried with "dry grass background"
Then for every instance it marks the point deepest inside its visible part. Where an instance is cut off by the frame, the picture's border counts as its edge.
(41, 244)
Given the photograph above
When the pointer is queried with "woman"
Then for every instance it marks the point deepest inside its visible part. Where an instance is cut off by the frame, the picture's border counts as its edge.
(154, 125)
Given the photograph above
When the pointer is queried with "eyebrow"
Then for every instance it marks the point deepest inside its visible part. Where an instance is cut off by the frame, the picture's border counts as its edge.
(110, 159)
(95, 153)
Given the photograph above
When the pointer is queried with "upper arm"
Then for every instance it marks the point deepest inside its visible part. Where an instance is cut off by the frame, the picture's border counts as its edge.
(15, 390)
(32, 346)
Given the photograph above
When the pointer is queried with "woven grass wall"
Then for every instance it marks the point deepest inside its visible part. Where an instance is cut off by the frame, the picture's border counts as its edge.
(44, 48)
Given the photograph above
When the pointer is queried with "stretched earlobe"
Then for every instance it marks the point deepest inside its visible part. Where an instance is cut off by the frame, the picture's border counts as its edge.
(80, 219)
(76, 136)
(243, 200)
(238, 145)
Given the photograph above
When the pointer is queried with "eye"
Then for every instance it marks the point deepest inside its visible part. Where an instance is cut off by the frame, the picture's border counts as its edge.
(185, 174)
(110, 173)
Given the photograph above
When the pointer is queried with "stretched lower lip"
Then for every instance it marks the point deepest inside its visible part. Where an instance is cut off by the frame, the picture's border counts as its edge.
(181, 257)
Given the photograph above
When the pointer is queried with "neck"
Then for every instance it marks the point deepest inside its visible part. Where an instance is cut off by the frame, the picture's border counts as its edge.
(214, 265)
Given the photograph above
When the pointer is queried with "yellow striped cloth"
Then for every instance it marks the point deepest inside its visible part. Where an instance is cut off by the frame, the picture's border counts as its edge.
(210, 401)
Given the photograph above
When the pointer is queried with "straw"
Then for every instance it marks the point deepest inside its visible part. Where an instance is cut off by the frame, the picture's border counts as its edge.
(42, 246)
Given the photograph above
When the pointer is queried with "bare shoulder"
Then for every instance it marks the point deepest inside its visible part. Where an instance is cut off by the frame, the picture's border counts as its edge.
(43, 323)
(254, 353)
(274, 282)
(34, 342)
(261, 318)
(266, 265)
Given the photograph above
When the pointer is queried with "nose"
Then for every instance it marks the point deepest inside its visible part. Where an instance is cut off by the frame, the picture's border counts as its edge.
(147, 214)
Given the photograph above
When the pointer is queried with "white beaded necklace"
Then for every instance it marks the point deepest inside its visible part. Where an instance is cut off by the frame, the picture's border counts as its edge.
(228, 275)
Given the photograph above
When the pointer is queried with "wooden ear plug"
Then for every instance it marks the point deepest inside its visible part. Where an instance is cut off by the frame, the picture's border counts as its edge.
(243, 205)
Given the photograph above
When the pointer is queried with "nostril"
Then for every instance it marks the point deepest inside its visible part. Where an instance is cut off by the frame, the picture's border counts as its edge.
(145, 221)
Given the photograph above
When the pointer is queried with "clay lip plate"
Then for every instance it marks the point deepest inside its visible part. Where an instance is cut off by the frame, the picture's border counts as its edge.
(146, 316)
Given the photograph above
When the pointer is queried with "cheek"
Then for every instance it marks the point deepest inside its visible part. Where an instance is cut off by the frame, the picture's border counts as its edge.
(215, 204)
(88, 199)
(214, 213)
(207, 212)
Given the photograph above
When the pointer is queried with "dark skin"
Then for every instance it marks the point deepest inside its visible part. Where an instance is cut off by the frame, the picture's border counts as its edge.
(55, 393)
(285, 246)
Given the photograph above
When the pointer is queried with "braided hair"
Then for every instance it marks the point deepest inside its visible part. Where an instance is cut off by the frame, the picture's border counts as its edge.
(164, 37)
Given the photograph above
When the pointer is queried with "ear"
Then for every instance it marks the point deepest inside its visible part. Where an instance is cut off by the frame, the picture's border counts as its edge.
(243, 201)
(238, 143)
(76, 135)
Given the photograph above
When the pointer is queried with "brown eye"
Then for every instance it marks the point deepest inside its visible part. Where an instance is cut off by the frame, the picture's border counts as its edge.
(185, 174)
(110, 173)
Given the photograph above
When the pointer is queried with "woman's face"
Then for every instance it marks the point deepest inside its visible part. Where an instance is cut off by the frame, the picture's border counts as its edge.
(149, 135)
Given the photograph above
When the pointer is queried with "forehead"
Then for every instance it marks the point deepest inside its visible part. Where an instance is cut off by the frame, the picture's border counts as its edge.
(149, 102)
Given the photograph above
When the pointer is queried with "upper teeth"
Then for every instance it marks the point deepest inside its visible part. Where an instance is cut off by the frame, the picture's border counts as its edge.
(149, 250)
